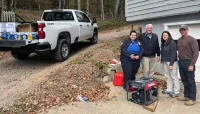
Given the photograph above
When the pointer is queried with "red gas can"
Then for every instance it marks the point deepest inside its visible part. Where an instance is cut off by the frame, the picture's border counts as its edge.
(118, 79)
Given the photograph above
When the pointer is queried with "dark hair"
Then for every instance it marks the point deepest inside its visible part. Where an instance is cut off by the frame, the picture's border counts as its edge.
(169, 39)
(133, 31)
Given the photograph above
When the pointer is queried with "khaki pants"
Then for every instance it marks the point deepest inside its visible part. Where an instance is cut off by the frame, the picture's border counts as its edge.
(148, 66)
(173, 84)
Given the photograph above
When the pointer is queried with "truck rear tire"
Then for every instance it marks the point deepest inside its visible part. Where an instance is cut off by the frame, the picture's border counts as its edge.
(20, 55)
(94, 39)
(61, 53)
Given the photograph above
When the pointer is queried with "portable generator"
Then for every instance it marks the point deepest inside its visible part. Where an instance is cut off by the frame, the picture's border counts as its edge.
(143, 91)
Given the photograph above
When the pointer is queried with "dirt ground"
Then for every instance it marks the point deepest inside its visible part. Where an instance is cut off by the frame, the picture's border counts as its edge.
(119, 105)
(18, 78)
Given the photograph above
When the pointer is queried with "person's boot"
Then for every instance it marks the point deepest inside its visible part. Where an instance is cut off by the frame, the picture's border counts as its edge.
(190, 103)
(166, 92)
(183, 99)
(173, 95)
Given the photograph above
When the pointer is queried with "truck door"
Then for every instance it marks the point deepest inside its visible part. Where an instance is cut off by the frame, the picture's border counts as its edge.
(89, 26)
(82, 25)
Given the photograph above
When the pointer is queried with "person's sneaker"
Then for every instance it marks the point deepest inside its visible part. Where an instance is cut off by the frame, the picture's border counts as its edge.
(190, 103)
(183, 99)
(173, 95)
(166, 92)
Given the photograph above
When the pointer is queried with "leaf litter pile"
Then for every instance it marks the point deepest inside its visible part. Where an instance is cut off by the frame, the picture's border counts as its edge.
(78, 81)
(161, 82)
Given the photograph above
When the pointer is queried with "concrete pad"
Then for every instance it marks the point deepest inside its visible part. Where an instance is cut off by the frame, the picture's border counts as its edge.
(119, 105)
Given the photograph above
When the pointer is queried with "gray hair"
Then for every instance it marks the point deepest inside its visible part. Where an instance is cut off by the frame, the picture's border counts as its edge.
(149, 25)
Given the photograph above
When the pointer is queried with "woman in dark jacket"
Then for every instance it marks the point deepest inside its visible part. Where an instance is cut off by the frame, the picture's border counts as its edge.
(131, 53)
(170, 65)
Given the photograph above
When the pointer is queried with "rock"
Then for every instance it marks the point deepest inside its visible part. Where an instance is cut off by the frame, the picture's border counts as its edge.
(109, 70)
(107, 79)
(117, 67)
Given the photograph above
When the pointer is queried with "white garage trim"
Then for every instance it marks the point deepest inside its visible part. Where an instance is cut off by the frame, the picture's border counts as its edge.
(180, 23)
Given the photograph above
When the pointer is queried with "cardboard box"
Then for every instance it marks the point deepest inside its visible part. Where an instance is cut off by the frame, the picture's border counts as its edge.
(27, 27)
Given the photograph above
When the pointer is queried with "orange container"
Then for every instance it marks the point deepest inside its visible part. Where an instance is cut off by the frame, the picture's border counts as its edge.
(118, 79)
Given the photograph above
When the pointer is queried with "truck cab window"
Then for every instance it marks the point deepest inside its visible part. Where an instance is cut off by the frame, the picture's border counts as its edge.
(82, 17)
(79, 17)
(86, 19)
(54, 16)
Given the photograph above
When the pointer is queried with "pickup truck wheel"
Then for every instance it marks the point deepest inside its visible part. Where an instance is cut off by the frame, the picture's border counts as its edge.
(62, 50)
(20, 56)
(94, 38)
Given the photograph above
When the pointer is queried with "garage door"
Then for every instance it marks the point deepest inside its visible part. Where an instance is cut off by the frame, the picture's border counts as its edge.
(194, 30)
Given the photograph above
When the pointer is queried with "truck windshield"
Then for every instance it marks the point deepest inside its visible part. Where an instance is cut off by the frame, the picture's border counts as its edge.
(54, 16)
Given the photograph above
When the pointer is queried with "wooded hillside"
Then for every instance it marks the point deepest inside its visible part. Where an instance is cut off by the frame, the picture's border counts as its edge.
(102, 9)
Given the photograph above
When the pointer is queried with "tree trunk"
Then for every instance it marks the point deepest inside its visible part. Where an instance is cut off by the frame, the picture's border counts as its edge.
(60, 4)
(87, 7)
(117, 8)
(8, 4)
(39, 6)
(102, 11)
(79, 4)
(111, 13)
(2, 5)
(122, 15)
(11, 4)
(15, 5)
(67, 4)
(64, 4)
(1, 9)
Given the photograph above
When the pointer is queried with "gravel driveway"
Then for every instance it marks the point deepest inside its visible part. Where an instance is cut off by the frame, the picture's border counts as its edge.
(19, 77)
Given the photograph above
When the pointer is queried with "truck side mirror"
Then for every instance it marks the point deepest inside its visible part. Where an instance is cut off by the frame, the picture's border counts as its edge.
(94, 20)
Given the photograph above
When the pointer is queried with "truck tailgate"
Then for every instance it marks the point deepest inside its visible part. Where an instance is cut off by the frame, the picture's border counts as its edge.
(18, 39)
(16, 43)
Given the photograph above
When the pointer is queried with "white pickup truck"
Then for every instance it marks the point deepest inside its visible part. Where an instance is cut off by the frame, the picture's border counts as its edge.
(57, 30)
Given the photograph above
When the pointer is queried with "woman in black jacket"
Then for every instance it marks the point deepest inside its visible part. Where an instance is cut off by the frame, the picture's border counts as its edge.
(131, 53)
(170, 65)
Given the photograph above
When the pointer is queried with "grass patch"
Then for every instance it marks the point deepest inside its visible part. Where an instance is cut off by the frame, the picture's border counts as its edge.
(78, 61)
(100, 65)
(108, 25)
(115, 47)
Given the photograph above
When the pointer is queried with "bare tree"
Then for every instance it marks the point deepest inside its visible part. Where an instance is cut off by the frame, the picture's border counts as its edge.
(117, 8)
(11, 3)
(2, 5)
(64, 4)
(87, 7)
(8, 4)
(39, 2)
(67, 3)
(15, 5)
(102, 11)
(122, 4)
(79, 4)
(111, 13)
(60, 4)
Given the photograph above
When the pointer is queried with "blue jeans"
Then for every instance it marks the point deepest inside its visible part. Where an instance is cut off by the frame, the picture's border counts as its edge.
(130, 69)
(188, 79)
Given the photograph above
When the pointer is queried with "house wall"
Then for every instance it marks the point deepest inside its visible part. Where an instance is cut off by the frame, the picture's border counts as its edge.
(148, 9)
(158, 24)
